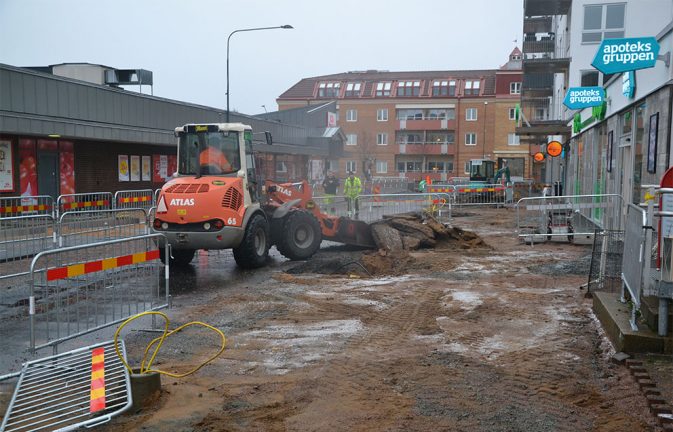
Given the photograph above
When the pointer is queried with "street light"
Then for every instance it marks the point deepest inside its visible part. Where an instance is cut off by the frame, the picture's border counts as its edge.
(286, 26)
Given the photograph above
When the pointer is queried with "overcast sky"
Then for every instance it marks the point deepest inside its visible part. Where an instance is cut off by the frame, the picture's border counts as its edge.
(184, 41)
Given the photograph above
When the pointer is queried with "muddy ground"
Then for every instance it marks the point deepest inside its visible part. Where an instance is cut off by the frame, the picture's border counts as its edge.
(496, 338)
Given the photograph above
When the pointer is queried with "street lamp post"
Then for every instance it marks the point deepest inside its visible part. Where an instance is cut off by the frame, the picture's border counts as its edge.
(286, 26)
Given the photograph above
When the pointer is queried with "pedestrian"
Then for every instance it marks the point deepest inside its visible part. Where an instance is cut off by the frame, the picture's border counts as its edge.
(352, 190)
(421, 185)
(330, 186)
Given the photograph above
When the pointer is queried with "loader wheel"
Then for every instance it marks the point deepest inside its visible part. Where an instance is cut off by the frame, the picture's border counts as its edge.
(180, 258)
(301, 236)
(254, 249)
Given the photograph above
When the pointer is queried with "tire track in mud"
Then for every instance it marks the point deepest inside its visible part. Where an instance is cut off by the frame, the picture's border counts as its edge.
(360, 382)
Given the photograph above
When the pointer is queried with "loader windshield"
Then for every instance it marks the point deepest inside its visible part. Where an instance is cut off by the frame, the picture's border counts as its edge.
(208, 153)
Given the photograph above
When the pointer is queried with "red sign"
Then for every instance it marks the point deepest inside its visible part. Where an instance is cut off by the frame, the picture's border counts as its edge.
(164, 166)
(67, 167)
(27, 167)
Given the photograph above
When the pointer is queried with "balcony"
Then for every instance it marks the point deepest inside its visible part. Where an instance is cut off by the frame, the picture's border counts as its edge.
(427, 148)
(537, 24)
(426, 123)
(538, 84)
(542, 54)
(544, 116)
(546, 7)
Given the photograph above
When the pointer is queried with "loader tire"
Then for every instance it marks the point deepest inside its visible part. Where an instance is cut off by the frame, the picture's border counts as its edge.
(179, 258)
(300, 237)
(254, 249)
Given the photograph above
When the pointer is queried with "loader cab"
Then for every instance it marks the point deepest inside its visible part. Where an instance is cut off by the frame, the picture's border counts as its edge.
(481, 170)
(218, 150)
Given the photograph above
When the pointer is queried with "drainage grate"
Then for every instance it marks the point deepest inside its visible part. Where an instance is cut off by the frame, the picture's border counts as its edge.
(84, 387)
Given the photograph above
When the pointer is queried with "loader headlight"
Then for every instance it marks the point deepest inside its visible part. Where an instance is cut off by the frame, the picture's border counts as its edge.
(206, 226)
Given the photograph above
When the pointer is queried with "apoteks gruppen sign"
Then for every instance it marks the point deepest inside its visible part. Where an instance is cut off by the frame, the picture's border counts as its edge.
(626, 54)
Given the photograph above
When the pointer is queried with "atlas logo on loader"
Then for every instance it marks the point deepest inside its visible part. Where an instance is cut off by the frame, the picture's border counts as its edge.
(182, 202)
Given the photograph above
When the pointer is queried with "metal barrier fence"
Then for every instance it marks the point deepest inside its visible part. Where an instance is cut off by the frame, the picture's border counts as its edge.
(373, 207)
(567, 217)
(84, 202)
(127, 199)
(482, 195)
(26, 205)
(78, 228)
(81, 289)
(59, 393)
(24, 236)
(605, 272)
(634, 256)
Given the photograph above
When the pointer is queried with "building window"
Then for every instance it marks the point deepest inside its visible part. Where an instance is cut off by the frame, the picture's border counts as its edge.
(512, 113)
(353, 89)
(350, 166)
(352, 115)
(441, 137)
(410, 138)
(440, 166)
(472, 88)
(409, 166)
(541, 113)
(441, 114)
(410, 114)
(332, 165)
(589, 78)
(329, 89)
(381, 167)
(382, 114)
(471, 114)
(516, 57)
(441, 88)
(281, 167)
(383, 88)
(467, 167)
(408, 88)
(382, 139)
(603, 22)
(515, 88)
(351, 139)
(470, 138)
(513, 139)
(452, 88)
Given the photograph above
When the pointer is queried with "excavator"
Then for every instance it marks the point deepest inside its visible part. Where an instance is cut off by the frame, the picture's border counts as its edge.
(214, 202)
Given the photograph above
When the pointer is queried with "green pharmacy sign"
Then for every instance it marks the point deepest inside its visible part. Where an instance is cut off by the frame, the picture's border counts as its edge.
(626, 54)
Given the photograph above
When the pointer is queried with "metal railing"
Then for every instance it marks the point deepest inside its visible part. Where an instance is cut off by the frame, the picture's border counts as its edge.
(605, 270)
(634, 257)
(482, 195)
(142, 198)
(84, 202)
(24, 236)
(81, 289)
(54, 393)
(84, 227)
(373, 207)
(26, 206)
(568, 216)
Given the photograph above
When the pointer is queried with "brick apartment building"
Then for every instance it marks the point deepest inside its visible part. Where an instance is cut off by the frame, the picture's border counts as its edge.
(419, 124)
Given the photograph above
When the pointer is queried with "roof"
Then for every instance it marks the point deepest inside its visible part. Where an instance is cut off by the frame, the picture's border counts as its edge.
(305, 88)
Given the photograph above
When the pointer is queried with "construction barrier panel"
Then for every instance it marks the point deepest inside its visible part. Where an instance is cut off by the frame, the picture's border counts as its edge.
(473, 194)
(26, 206)
(129, 199)
(84, 202)
(84, 227)
(568, 217)
(24, 236)
(374, 207)
(81, 388)
(81, 289)
(633, 260)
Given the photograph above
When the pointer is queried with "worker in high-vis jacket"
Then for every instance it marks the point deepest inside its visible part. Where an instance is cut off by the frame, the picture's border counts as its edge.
(213, 161)
(352, 190)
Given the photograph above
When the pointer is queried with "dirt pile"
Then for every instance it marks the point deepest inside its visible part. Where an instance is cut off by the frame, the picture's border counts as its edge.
(412, 231)
(355, 263)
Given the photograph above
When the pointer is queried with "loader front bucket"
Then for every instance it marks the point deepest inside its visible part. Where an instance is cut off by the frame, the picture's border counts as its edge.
(354, 232)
